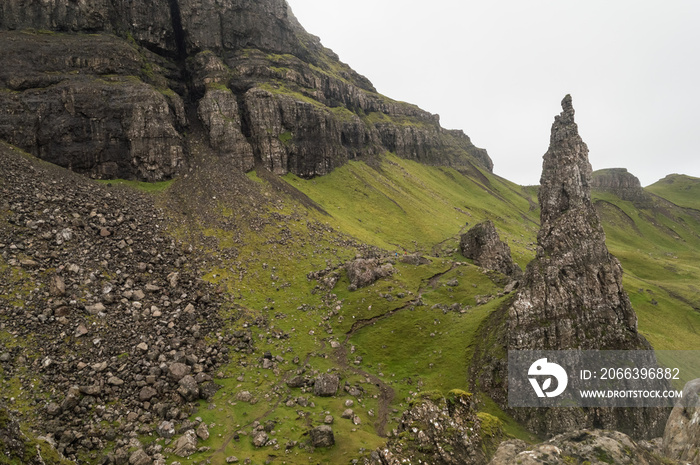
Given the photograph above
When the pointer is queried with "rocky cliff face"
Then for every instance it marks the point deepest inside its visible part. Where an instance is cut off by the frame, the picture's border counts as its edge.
(168, 27)
(621, 183)
(118, 89)
(80, 103)
(571, 296)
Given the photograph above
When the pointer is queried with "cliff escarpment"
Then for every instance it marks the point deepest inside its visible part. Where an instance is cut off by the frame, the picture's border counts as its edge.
(622, 183)
(118, 89)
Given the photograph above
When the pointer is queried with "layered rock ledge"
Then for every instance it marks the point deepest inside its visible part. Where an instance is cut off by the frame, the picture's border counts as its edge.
(116, 89)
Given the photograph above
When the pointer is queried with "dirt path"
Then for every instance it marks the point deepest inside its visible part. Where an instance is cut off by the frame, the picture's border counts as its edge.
(386, 392)
(435, 251)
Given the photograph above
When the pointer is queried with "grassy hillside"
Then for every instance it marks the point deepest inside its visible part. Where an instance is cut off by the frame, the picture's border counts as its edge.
(680, 189)
(659, 249)
(401, 335)
(276, 248)
(402, 205)
(398, 337)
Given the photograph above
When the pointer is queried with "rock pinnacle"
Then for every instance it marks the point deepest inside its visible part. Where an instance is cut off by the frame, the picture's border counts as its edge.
(572, 296)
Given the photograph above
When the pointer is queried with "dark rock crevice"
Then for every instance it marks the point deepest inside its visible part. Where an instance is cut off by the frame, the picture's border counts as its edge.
(180, 40)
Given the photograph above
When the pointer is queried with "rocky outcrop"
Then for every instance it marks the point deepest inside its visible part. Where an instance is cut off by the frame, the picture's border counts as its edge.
(585, 446)
(437, 430)
(364, 271)
(78, 103)
(150, 22)
(124, 103)
(169, 27)
(621, 183)
(308, 121)
(483, 245)
(571, 296)
(218, 110)
(682, 435)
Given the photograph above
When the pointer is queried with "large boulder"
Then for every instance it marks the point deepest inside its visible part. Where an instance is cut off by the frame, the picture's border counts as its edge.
(322, 436)
(260, 439)
(140, 457)
(188, 388)
(186, 444)
(364, 271)
(682, 434)
(483, 245)
(326, 385)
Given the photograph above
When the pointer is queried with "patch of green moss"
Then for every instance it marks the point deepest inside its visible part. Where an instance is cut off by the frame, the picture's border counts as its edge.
(286, 137)
(603, 455)
(456, 394)
(149, 187)
(167, 92)
(282, 88)
(375, 118)
(217, 86)
(342, 114)
(148, 71)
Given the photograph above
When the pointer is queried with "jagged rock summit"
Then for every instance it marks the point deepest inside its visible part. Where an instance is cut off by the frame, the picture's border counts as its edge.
(573, 285)
(571, 296)
(140, 90)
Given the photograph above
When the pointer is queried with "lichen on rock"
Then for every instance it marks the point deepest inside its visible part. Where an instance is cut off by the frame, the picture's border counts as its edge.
(681, 439)
(436, 429)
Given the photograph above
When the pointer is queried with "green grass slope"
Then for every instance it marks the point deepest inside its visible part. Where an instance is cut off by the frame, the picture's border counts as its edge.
(403, 335)
(659, 248)
(276, 249)
(398, 337)
(658, 245)
(680, 189)
(402, 205)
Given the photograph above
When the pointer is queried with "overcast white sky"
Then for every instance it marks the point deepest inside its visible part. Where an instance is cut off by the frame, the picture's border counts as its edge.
(498, 69)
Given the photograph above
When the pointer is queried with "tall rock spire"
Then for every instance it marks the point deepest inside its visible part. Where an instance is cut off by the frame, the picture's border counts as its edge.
(572, 297)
